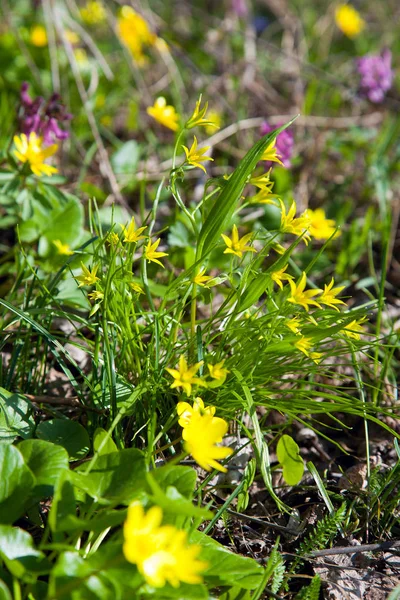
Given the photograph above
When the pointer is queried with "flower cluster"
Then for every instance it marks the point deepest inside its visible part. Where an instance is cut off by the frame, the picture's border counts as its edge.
(284, 142)
(161, 553)
(376, 75)
(93, 13)
(201, 432)
(41, 117)
(185, 377)
(135, 33)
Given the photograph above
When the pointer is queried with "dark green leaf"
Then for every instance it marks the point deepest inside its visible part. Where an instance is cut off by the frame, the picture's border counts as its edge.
(68, 434)
(15, 416)
(17, 482)
(46, 461)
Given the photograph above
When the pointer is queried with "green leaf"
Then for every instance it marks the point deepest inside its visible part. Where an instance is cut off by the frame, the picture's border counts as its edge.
(236, 593)
(289, 457)
(64, 504)
(98, 438)
(224, 567)
(4, 591)
(68, 434)
(18, 551)
(125, 159)
(66, 222)
(222, 211)
(46, 461)
(182, 478)
(115, 478)
(17, 483)
(15, 417)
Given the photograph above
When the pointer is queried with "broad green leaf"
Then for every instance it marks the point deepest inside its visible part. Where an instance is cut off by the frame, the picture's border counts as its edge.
(224, 567)
(71, 435)
(46, 461)
(18, 551)
(224, 206)
(289, 457)
(105, 448)
(17, 482)
(118, 477)
(125, 159)
(66, 222)
(182, 478)
(16, 418)
(173, 503)
(64, 504)
(4, 591)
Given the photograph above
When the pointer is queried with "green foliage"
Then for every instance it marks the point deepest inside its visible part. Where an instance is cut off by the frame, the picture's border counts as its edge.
(288, 455)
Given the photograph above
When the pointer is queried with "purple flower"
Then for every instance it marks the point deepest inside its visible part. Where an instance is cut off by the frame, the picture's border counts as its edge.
(376, 75)
(240, 8)
(284, 142)
(42, 117)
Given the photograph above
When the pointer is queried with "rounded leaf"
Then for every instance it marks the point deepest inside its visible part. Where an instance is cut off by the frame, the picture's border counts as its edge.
(68, 434)
(290, 459)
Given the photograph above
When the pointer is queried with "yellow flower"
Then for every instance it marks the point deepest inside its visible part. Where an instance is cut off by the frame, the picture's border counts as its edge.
(329, 294)
(201, 436)
(354, 328)
(198, 117)
(134, 32)
(270, 154)
(218, 372)
(71, 37)
(293, 324)
(186, 411)
(96, 295)
(316, 357)
(291, 224)
(93, 13)
(201, 279)
(151, 254)
(279, 276)
(38, 36)
(113, 238)
(136, 287)
(89, 276)
(160, 552)
(185, 377)
(63, 248)
(132, 235)
(237, 245)
(320, 227)
(299, 296)
(215, 120)
(304, 344)
(349, 20)
(29, 149)
(195, 156)
(265, 196)
(164, 113)
(263, 180)
(81, 57)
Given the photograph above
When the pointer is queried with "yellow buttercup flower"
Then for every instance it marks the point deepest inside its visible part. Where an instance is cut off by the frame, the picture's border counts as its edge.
(185, 377)
(349, 20)
(353, 329)
(89, 277)
(151, 254)
(30, 150)
(304, 344)
(186, 411)
(164, 113)
(201, 437)
(320, 227)
(38, 36)
(63, 248)
(280, 275)
(93, 13)
(301, 297)
(214, 118)
(160, 552)
(270, 154)
(131, 234)
(236, 245)
(201, 279)
(293, 325)
(195, 156)
(198, 117)
(291, 224)
(134, 32)
(329, 294)
(218, 372)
